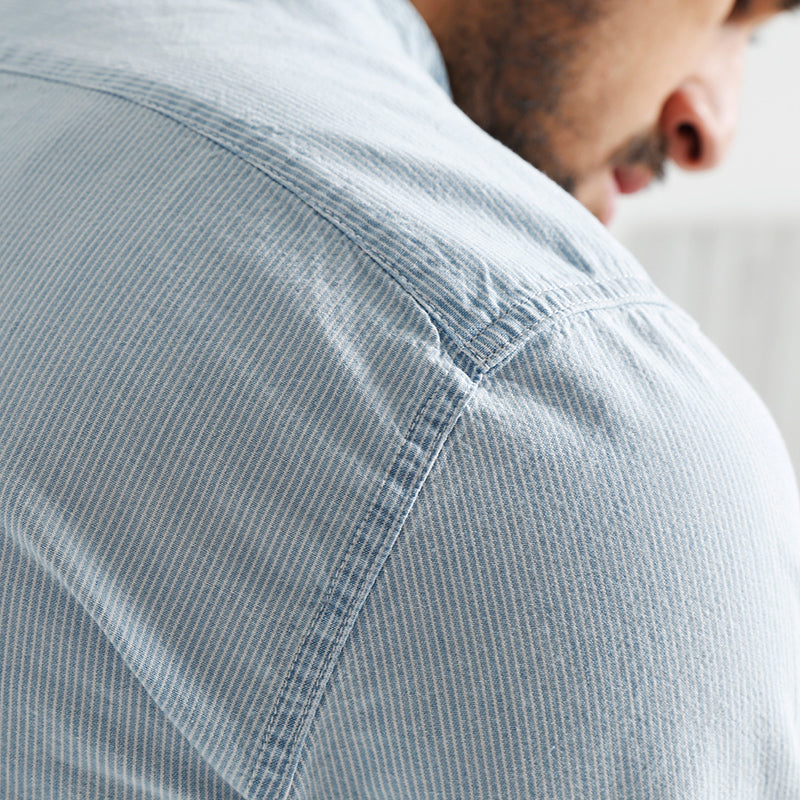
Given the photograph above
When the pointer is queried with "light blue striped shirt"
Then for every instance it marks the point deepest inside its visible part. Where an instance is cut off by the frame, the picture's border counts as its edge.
(343, 455)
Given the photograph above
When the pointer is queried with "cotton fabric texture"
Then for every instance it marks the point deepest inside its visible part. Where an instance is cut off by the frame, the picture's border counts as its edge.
(342, 454)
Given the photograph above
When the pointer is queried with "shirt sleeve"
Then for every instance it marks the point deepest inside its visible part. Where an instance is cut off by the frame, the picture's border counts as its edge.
(596, 594)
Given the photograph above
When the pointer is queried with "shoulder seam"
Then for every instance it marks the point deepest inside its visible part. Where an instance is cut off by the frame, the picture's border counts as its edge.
(509, 334)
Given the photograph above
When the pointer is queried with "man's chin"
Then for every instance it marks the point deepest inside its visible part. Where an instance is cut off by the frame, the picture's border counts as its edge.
(600, 196)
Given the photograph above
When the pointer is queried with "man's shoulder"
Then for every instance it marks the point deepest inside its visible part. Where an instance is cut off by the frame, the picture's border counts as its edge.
(364, 135)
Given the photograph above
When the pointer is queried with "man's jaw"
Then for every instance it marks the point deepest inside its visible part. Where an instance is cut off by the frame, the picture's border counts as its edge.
(630, 169)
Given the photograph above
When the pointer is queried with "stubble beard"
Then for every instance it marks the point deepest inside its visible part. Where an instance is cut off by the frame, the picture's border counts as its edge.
(512, 63)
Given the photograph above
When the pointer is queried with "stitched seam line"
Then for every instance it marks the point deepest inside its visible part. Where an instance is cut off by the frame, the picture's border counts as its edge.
(289, 753)
(573, 310)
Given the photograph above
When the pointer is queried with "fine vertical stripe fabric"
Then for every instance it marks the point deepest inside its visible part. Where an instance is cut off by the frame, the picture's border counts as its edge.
(740, 281)
(343, 455)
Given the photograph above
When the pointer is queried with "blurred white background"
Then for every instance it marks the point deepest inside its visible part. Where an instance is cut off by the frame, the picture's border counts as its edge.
(761, 176)
(726, 244)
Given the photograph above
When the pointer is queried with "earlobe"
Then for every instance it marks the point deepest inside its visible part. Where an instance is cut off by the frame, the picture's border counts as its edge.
(696, 136)
(699, 118)
(691, 141)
